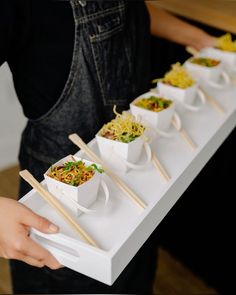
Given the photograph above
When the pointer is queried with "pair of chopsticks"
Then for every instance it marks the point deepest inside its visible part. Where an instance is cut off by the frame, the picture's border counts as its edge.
(82, 145)
(51, 200)
(215, 104)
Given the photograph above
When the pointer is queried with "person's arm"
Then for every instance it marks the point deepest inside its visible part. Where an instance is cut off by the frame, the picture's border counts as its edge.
(167, 26)
(6, 21)
(15, 242)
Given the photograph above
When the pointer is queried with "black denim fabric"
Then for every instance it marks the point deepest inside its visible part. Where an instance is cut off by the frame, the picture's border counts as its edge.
(110, 65)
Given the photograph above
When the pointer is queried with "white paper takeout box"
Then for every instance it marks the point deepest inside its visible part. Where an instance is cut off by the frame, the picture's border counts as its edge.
(184, 98)
(84, 194)
(228, 58)
(159, 121)
(121, 156)
(208, 75)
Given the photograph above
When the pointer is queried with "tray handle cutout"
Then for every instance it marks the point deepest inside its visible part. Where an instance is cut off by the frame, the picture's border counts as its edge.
(56, 245)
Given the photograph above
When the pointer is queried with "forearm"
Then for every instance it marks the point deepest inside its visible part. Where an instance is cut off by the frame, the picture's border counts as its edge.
(166, 25)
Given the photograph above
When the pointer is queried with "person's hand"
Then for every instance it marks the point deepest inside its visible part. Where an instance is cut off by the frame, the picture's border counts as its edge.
(15, 243)
(203, 40)
(170, 27)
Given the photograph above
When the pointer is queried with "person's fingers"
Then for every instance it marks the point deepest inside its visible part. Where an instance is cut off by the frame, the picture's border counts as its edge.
(39, 253)
(38, 222)
(29, 260)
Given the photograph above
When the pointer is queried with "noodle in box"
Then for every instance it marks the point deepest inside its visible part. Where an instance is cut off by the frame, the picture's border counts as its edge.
(75, 183)
(179, 85)
(208, 71)
(225, 50)
(121, 142)
(156, 112)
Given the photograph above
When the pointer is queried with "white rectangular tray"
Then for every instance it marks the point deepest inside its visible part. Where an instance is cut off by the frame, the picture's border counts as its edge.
(121, 228)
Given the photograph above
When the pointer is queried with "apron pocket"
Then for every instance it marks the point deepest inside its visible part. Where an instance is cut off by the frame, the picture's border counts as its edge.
(112, 58)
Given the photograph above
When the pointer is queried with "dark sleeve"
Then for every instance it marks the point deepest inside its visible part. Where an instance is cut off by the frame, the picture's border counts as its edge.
(6, 22)
(13, 26)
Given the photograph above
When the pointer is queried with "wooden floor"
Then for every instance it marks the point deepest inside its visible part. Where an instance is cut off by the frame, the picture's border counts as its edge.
(172, 278)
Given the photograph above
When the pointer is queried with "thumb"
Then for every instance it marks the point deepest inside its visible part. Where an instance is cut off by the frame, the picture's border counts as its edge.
(40, 223)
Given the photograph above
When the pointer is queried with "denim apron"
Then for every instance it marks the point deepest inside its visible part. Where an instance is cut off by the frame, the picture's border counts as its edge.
(110, 65)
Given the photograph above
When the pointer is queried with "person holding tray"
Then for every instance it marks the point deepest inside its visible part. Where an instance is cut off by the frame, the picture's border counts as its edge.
(71, 61)
(18, 244)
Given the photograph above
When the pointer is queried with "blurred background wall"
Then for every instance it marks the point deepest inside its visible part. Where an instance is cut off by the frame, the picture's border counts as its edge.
(12, 120)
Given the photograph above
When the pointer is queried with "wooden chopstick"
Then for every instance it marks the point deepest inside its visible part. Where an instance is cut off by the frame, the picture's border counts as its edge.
(185, 136)
(154, 90)
(82, 145)
(215, 104)
(160, 168)
(187, 139)
(192, 50)
(51, 200)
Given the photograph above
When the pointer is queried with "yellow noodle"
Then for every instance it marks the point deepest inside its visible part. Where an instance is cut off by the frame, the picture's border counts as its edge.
(178, 77)
(76, 175)
(124, 127)
(226, 43)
